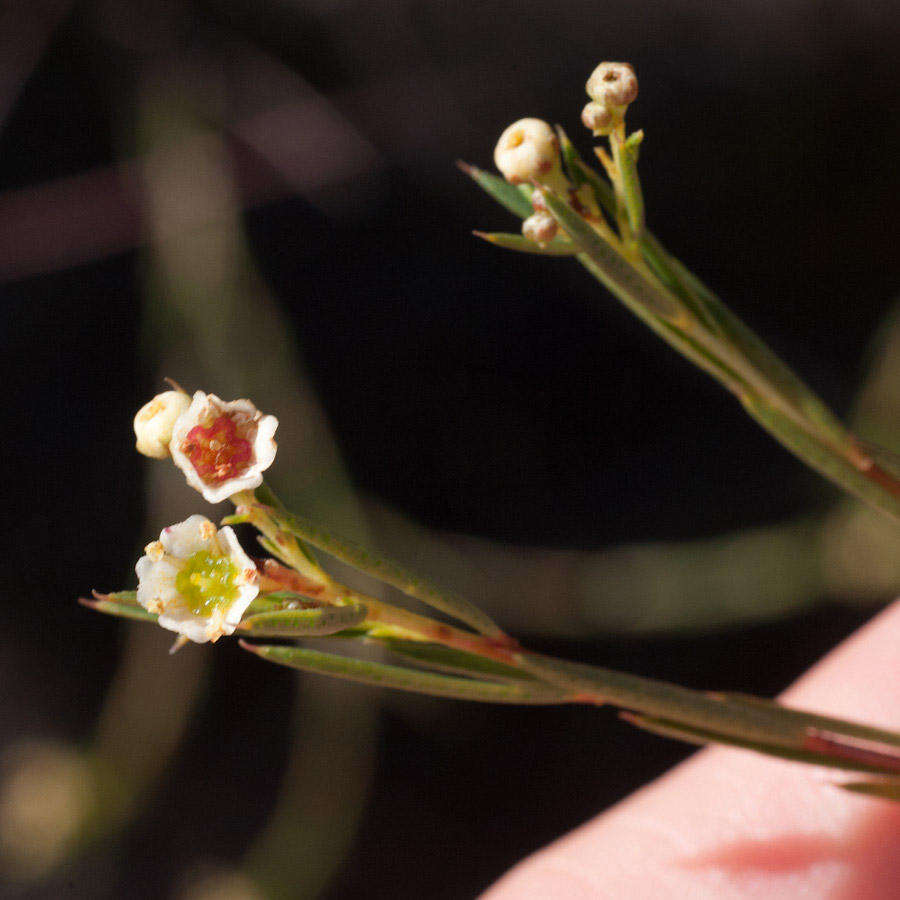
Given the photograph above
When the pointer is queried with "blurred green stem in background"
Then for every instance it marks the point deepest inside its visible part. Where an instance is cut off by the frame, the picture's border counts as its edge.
(846, 553)
(209, 318)
(232, 328)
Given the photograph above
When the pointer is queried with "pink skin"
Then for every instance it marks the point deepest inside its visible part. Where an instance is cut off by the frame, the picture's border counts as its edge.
(730, 824)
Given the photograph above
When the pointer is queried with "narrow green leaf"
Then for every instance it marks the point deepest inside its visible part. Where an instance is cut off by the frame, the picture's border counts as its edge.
(815, 722)
(570, 159)
(556, 247)
(616, 273)
(274, 550)
(671, 334)
(823, 458)
(720, 319)
(659, 699)
(266, 495)
(729, 718)
(314, 622)
(631, 184)
(824, 452)
(660, 263)
(235, 519)
(381, 675)
(387, 571)
(502, 191)
(680, 732)
(274, 601)
(447, 659)
(123, 609)
(119, 597)
(581, 173)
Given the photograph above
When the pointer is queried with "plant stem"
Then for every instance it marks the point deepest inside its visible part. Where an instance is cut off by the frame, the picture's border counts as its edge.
(397, 621)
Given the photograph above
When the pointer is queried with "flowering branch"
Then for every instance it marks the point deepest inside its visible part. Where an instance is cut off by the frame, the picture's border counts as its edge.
(196, 580)
(601, 222)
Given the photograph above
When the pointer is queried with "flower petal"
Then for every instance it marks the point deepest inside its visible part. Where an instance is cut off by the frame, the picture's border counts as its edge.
(179, 618)
(194, 534)
(156, 582)
(202, 407)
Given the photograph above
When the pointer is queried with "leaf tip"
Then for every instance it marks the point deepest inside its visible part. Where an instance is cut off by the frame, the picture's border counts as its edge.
(177, 644)
(257, 649)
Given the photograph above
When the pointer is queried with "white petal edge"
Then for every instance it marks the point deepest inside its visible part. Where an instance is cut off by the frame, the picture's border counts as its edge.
(187, 538)
(264, 447)
(247, 580)
(156, 581)
(179, 618)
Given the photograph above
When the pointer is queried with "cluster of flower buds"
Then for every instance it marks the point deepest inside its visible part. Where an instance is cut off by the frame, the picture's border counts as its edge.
(611, 87)
(196, 577)
(528, 151)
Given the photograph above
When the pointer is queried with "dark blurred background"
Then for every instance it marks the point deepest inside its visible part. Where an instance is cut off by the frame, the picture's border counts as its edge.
(474, 392)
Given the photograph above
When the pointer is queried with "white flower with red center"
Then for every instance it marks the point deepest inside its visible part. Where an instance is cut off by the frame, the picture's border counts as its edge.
(197, 579)
(223, 448)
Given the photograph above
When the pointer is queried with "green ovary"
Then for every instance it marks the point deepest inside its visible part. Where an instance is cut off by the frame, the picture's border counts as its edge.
(207, 582)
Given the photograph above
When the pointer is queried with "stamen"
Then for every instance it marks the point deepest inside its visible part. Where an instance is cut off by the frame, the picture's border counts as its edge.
(217, 453)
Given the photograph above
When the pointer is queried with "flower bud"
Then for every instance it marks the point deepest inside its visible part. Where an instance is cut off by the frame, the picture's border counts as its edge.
(613, 84)
(599, 118)
(155, 420)
(540, 228)
(527, 150)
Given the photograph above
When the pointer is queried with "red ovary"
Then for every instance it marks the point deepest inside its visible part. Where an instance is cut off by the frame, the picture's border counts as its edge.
(217, 452)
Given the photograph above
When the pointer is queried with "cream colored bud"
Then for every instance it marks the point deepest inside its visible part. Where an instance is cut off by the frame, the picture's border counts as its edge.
(527, 150)
(599, 118)
(155, 420)
(540, 228)
(613, 84)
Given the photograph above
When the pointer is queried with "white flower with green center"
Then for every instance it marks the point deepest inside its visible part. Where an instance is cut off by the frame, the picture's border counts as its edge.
(197, 579)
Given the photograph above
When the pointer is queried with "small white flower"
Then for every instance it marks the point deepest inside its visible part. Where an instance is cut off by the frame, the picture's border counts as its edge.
(223, 448)
(154, 422)
(197, 579)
